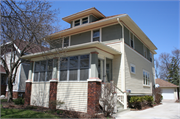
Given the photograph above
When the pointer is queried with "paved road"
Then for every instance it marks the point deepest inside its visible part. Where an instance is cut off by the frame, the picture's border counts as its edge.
(168, 110)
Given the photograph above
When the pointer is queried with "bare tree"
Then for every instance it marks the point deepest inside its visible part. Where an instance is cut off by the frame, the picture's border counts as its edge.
(24, 24)
(157, 68)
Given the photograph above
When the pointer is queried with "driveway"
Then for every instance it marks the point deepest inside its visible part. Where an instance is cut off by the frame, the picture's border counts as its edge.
(167, 110)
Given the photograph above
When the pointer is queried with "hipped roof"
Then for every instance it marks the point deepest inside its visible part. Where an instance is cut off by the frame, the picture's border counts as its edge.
(163, 83)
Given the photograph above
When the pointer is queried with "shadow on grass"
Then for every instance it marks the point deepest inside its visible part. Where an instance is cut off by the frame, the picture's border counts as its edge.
(20, 113)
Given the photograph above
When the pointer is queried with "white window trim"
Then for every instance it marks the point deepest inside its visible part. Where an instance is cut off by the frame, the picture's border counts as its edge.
(100, 34)
(73, 23)
(132, 39)
(147, 85)
(132, 65)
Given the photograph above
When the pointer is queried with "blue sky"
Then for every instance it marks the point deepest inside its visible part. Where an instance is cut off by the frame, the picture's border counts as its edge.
(159, 20)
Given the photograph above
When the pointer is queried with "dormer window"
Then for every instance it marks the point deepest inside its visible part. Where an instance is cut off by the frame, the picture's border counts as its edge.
(85, 20)
(81, 21)
(77, 23)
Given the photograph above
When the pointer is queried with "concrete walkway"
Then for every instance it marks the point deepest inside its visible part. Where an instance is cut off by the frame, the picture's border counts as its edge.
(167, 110)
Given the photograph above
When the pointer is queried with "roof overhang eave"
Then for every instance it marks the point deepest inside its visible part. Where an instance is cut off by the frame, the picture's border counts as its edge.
(74, 47)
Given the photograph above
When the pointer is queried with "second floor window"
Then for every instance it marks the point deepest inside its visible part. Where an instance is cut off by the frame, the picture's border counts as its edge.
(132, 40)
(66, 41)
(145, 52)
(150, 56)
(96, 35)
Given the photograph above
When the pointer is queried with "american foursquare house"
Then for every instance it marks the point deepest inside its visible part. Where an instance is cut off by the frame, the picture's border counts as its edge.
(97, 49)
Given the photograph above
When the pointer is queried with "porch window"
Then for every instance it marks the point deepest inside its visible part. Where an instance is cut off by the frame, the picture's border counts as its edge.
(84, 67)
(145, 51)
(43, 70)
(63, 67)
(96, 35)
(150, 56)
(74, 68)
(146, 79)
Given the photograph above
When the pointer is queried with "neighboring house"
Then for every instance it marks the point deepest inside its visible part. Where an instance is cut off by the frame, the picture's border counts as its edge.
(96, 49)
(22, 72)
(3, 80)
(169, 90)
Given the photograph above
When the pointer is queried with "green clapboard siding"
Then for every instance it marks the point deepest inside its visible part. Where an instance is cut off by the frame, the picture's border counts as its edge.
(126, 35)
(138, 45)
(112, 33)
(92, 18)
(81, 38)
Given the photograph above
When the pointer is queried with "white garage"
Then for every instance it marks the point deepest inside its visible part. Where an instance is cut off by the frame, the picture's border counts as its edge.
(169, 90)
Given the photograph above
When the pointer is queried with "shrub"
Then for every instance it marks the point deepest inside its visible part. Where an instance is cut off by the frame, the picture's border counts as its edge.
(136, 102)
(19, 101)
(158, 96)
(148, 100)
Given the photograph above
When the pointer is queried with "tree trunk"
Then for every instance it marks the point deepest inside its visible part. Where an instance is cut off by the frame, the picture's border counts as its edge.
(10, 87)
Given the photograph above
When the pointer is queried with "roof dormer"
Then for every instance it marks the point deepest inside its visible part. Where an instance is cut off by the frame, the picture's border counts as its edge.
(83, 17)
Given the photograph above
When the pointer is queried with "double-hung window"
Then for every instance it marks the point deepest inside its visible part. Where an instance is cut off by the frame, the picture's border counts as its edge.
(66, 42)
(131, 40)
(146, 78)
(145, 51)
(96, 35)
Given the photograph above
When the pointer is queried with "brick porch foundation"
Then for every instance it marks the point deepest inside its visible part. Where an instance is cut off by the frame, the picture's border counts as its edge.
(94, 93)
(52, 94)
(27, 96)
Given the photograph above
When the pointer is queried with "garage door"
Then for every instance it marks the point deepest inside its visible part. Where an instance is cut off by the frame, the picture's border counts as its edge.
(168, 93)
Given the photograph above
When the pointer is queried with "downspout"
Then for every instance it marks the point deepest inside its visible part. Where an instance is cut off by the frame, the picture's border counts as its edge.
(123, 83)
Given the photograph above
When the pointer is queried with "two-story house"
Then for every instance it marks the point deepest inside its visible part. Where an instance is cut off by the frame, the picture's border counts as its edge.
(95, 49)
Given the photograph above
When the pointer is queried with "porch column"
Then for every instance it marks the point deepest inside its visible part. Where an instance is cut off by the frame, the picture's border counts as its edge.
(94, 86)
(27, 95)
(94, 65)
(30, 71)
(94, 93)
(52, 94)
(54, 73)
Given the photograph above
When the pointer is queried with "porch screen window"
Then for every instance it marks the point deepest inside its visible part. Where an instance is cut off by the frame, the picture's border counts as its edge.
(84, 67)
(96, 35)
(77, 23)
(63, 69)
(150, 56)
(146, 79)
(43, 70)
(66, 41)
(145, 52)
(74, 68)
(49, 69)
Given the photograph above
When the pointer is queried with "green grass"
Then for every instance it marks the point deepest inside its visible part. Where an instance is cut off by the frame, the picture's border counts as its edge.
(20, 113)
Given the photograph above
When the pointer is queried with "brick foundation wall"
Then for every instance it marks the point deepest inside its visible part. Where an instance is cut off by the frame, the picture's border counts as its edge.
(52, 94)
(27, 95)
(94, 92)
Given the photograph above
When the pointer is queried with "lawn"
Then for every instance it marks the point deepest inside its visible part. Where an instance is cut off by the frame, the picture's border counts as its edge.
(21, 113)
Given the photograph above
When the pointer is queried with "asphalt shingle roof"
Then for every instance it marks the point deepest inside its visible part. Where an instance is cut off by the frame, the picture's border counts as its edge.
(163, 83)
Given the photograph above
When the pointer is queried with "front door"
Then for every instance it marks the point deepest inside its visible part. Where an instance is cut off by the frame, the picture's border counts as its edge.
(101, 69)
